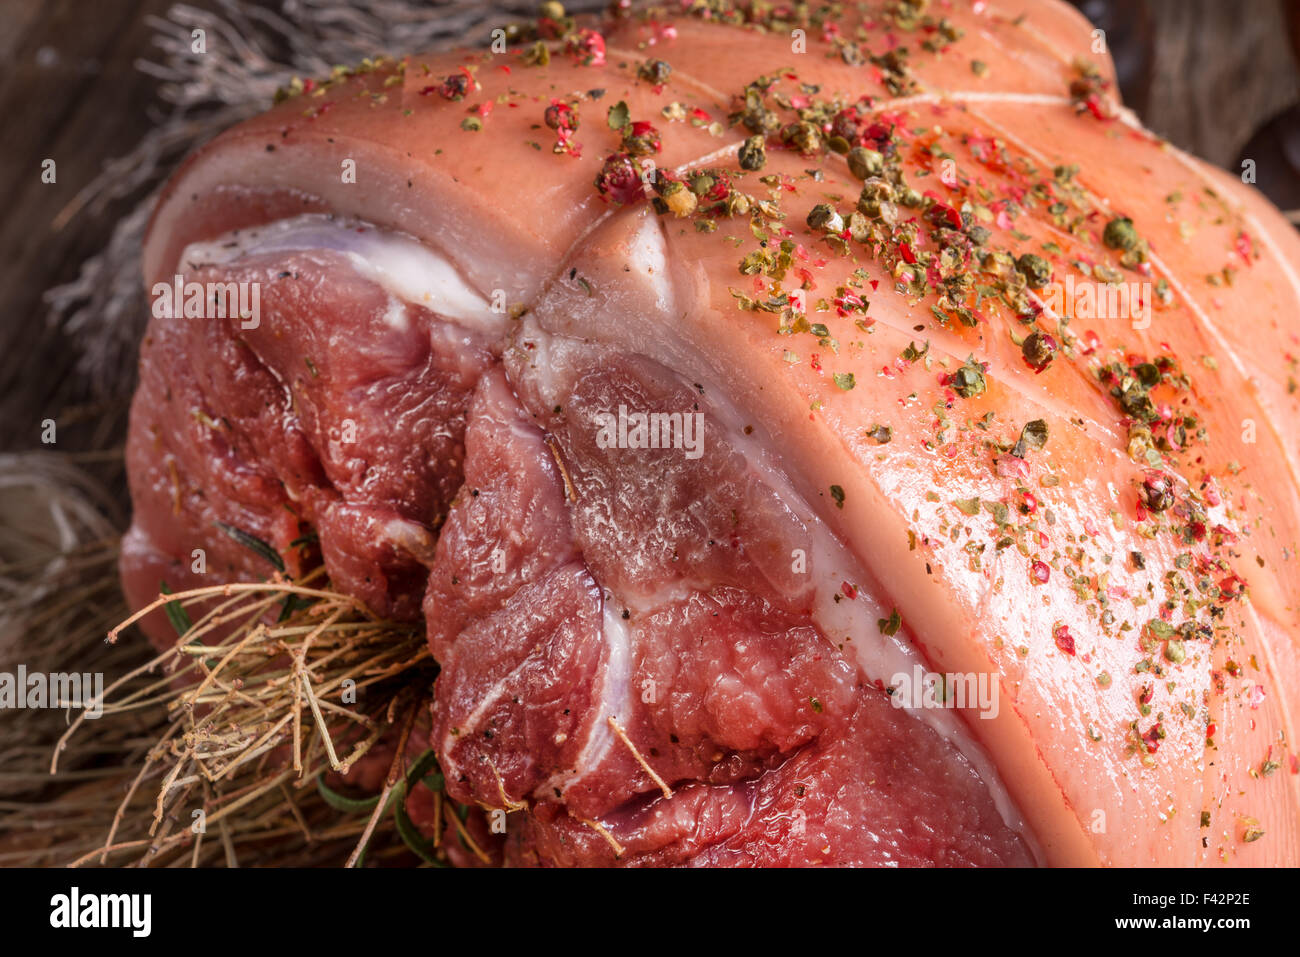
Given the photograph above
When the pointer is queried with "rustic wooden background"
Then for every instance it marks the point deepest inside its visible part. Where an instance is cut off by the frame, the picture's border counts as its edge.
(1207, 74)
(69, 90)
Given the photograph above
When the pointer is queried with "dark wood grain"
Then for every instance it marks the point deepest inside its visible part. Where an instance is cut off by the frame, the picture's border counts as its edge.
(1223, 67)
(69, 91)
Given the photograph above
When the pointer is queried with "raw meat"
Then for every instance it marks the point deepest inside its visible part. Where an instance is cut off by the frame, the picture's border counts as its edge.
(687, 488)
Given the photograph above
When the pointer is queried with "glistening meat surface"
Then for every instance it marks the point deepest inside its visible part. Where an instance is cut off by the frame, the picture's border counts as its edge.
(600, 613)
(688, 653)
(636, 623)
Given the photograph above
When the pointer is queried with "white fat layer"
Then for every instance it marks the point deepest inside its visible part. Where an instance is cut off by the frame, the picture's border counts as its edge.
(406, 268)
(396, 316)
(648, 256)
(412, 537)
(856, 622)
(615, 698)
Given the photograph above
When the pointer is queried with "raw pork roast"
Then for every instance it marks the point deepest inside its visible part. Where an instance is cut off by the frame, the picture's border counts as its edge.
(704, 379)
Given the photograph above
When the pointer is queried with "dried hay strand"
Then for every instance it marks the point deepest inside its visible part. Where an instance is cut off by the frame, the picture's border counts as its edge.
(271, 687)
(215, 751)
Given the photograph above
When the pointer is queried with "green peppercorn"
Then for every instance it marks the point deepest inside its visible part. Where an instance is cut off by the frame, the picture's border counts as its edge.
(865, 163)
(1120, 234)
(825, 217)
(1036, 270)
(736, 204)
(875, 193)
(859, 227)
(804, 136)
(701, 181)
(655, 71)
(968, 381)
(551, 10)
(1038, 349)
(753, 153)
